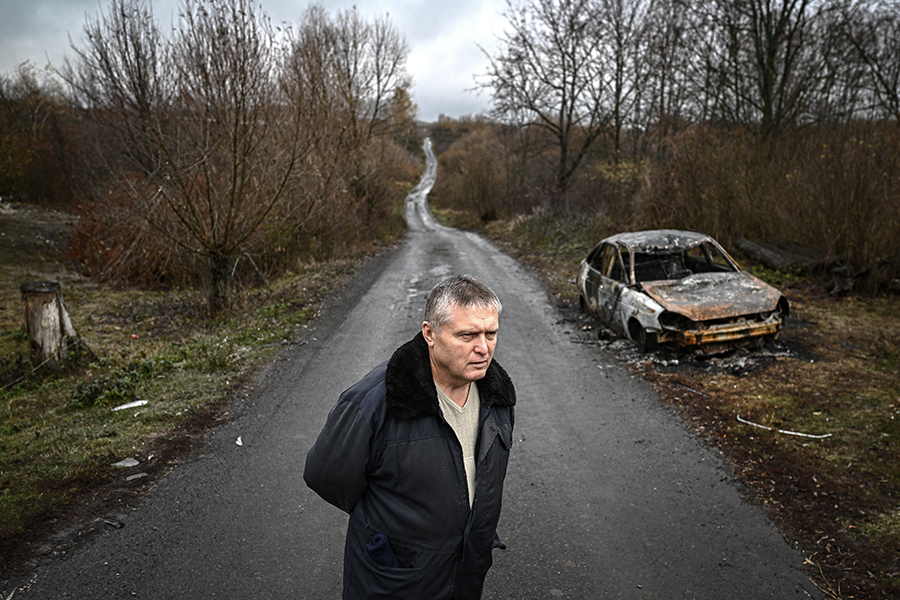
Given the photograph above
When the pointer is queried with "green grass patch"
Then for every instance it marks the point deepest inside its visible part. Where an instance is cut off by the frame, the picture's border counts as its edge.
(60, 431)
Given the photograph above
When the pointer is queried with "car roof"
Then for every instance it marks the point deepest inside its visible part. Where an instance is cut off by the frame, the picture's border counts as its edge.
(658, 240)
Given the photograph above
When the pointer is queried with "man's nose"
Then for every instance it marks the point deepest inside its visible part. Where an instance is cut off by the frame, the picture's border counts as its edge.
(481, 344)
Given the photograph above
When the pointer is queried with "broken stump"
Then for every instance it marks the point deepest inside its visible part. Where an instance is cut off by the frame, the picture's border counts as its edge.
(47, 321)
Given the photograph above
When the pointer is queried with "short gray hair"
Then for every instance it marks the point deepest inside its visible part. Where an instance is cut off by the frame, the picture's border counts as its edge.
(460, 291)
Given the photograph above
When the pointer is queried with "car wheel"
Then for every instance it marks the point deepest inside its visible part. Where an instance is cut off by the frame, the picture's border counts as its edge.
(646, 340)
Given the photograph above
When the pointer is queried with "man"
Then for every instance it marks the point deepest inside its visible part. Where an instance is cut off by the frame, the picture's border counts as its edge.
(416, 453)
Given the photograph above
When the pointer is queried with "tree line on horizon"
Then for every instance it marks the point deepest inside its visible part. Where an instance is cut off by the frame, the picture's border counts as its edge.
(768, 119)
(186, 151)
(224, 141)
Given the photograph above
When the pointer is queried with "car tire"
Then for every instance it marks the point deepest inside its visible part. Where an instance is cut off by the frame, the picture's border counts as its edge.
(646, 340)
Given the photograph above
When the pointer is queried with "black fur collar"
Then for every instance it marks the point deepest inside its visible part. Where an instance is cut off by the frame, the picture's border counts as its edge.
(410, 385)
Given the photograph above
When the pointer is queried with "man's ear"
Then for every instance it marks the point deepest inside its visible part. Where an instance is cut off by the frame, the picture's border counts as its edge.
(428, 333)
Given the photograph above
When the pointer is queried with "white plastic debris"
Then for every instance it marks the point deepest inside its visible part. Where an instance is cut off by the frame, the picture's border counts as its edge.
(239, 441)
(134, 404)
(806, 435)
(135, 476)
(127, 463)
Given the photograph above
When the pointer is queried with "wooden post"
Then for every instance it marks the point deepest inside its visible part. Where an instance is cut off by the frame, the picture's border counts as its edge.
(47, 321)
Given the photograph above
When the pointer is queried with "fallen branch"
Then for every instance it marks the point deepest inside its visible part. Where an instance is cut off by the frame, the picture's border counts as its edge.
(830, 592)
(253, 264)
(689, 388)
(806, 435)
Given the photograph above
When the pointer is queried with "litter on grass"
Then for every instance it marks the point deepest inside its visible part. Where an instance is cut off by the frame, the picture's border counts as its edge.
(806, 435)
(134, 404)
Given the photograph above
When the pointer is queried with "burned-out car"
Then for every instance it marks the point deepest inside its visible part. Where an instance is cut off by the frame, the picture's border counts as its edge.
(677, 288)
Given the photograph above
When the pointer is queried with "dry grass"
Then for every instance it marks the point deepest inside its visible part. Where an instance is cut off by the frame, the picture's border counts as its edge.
(60, 432)
(837, 498)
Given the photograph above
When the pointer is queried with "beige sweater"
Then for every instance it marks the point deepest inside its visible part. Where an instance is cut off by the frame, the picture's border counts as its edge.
(464, 422)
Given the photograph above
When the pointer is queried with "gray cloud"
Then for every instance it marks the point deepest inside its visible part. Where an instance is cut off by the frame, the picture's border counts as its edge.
(443, 39)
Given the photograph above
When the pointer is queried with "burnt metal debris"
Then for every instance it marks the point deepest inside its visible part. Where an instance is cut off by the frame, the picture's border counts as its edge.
(678, 288)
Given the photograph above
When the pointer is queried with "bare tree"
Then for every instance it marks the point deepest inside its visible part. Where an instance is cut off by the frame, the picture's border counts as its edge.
(38, 161)
(370, 65)
(873, 30)
(209, 143)
(550, 69)
(764, 59)
(122, 77)
(26, 104)
(474, 173)
(623, 29)
(313, 87)
(400, 119)
(669, 48)
(348, 79)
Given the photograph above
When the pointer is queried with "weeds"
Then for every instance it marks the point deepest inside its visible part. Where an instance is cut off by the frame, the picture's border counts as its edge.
(60, 432)
(837, 497)
(119, 385)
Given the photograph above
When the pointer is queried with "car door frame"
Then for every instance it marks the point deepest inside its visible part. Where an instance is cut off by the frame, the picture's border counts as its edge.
(614, 280)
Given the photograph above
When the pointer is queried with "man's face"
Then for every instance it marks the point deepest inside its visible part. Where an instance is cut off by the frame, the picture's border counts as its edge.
(463, 349)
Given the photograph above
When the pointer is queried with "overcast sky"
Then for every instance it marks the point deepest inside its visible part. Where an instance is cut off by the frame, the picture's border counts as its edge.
(443, 39)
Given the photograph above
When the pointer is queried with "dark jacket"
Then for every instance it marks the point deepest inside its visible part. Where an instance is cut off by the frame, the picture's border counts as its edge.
(388, 458)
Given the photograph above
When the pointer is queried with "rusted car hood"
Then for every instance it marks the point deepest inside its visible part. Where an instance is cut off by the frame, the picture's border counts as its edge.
(714, 295)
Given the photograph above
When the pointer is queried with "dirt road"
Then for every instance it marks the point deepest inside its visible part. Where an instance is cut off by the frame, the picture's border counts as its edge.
(607, 495)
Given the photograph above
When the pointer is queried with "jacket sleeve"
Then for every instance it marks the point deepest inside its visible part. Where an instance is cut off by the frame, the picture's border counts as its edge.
(336, 464)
